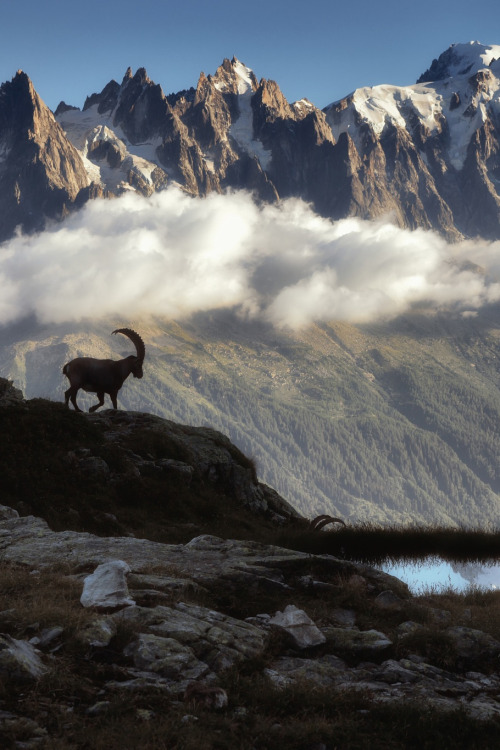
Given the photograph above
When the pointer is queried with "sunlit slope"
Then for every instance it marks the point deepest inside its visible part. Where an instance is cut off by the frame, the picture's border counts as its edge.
(396, 422)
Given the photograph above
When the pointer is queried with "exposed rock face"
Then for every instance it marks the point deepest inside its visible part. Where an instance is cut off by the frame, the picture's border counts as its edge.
(9, 394)
(41, 172)
(183, 648)
(427, 155)
(429, 152)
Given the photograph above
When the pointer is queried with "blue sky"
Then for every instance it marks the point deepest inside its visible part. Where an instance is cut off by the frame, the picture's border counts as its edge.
(314, 48)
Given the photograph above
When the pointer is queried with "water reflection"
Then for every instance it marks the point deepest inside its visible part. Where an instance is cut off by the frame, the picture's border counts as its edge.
(438, 574)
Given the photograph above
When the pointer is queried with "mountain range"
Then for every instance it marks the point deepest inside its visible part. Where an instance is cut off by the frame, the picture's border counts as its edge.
(393, 421)
(427, 155)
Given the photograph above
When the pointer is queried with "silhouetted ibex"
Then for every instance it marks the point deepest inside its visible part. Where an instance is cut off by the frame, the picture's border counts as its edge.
(102, 376)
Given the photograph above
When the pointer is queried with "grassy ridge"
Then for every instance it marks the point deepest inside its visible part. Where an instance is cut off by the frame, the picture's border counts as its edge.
(396, 423)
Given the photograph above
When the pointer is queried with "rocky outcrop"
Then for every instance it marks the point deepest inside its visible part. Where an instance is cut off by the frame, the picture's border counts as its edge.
(427, 155)
(204, 451)
(9, 394)
(435, 145)
(41, 172)
(182, 647)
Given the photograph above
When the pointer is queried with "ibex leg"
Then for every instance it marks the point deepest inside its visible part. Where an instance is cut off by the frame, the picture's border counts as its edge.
(71, 394)
(100, 396)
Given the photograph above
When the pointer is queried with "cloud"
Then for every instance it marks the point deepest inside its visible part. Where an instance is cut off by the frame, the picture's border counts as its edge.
(173, 255)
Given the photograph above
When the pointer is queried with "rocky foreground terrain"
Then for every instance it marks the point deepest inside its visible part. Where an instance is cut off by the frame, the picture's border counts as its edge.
(210, 642)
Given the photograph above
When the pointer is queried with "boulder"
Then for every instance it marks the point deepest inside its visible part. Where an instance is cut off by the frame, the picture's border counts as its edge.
(324, 671)
(299, 627)
(107, 587)
(19, 661)
(166, 657)
(357, 644)
(214, 638)
(473, 644)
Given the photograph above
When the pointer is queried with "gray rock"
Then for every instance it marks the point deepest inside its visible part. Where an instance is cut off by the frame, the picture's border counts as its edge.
(324, 671)
(216, 639)
(344, 617)
(19, 661)
(166, 657)
(407, 628)
(107, 587)
(97, 633)
(23, 731)
(473, 644)
(47, 637)
(206, 560)
(9, 395)
(388, 600)
(358, 643)
(299, 626)
(6, 513)
(392, 672)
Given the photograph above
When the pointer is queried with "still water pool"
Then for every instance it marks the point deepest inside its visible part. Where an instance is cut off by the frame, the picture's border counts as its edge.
(438, 574)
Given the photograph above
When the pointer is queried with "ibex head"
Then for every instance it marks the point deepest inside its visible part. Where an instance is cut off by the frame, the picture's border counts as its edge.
(139, 347)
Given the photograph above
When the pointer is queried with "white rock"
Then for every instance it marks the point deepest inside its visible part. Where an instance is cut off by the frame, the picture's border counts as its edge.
(19, 661)
(107, 587)
(299, 625)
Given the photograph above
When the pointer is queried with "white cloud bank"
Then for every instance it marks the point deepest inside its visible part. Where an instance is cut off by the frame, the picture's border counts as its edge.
(172, 255)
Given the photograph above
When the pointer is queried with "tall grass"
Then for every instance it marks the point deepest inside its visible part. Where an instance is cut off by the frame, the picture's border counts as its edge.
(374, 545)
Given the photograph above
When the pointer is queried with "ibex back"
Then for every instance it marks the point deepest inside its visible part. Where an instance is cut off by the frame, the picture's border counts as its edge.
(102, 376)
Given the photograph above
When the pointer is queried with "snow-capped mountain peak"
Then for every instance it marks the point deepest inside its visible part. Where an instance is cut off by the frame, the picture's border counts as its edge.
(234, 77)
(461, 60)
(427, 154)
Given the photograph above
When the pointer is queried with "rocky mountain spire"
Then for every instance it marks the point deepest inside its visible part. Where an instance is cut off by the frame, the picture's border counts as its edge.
(42, 173)
(422, 153)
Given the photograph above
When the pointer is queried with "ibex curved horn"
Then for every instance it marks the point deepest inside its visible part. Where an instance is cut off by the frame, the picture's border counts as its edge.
(136, 340)
(320, 521)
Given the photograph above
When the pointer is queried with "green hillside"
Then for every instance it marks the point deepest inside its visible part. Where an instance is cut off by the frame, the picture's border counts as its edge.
(395, 423)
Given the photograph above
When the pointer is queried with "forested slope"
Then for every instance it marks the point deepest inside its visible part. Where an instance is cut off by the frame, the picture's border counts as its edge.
(395, 422)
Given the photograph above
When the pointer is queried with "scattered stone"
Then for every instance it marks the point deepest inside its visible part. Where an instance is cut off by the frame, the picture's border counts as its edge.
(107, 587)
(24, 732)
(473, 644)
(393, 672)
(47, 638)
(299, 626)
(324, 671)
(357, 643)
(175, 645)
(216, 639)
(19, 661)
(407, 628)
(206, 696)
(166, 657)
(388, 600)
(345, 617)
(97, 633)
